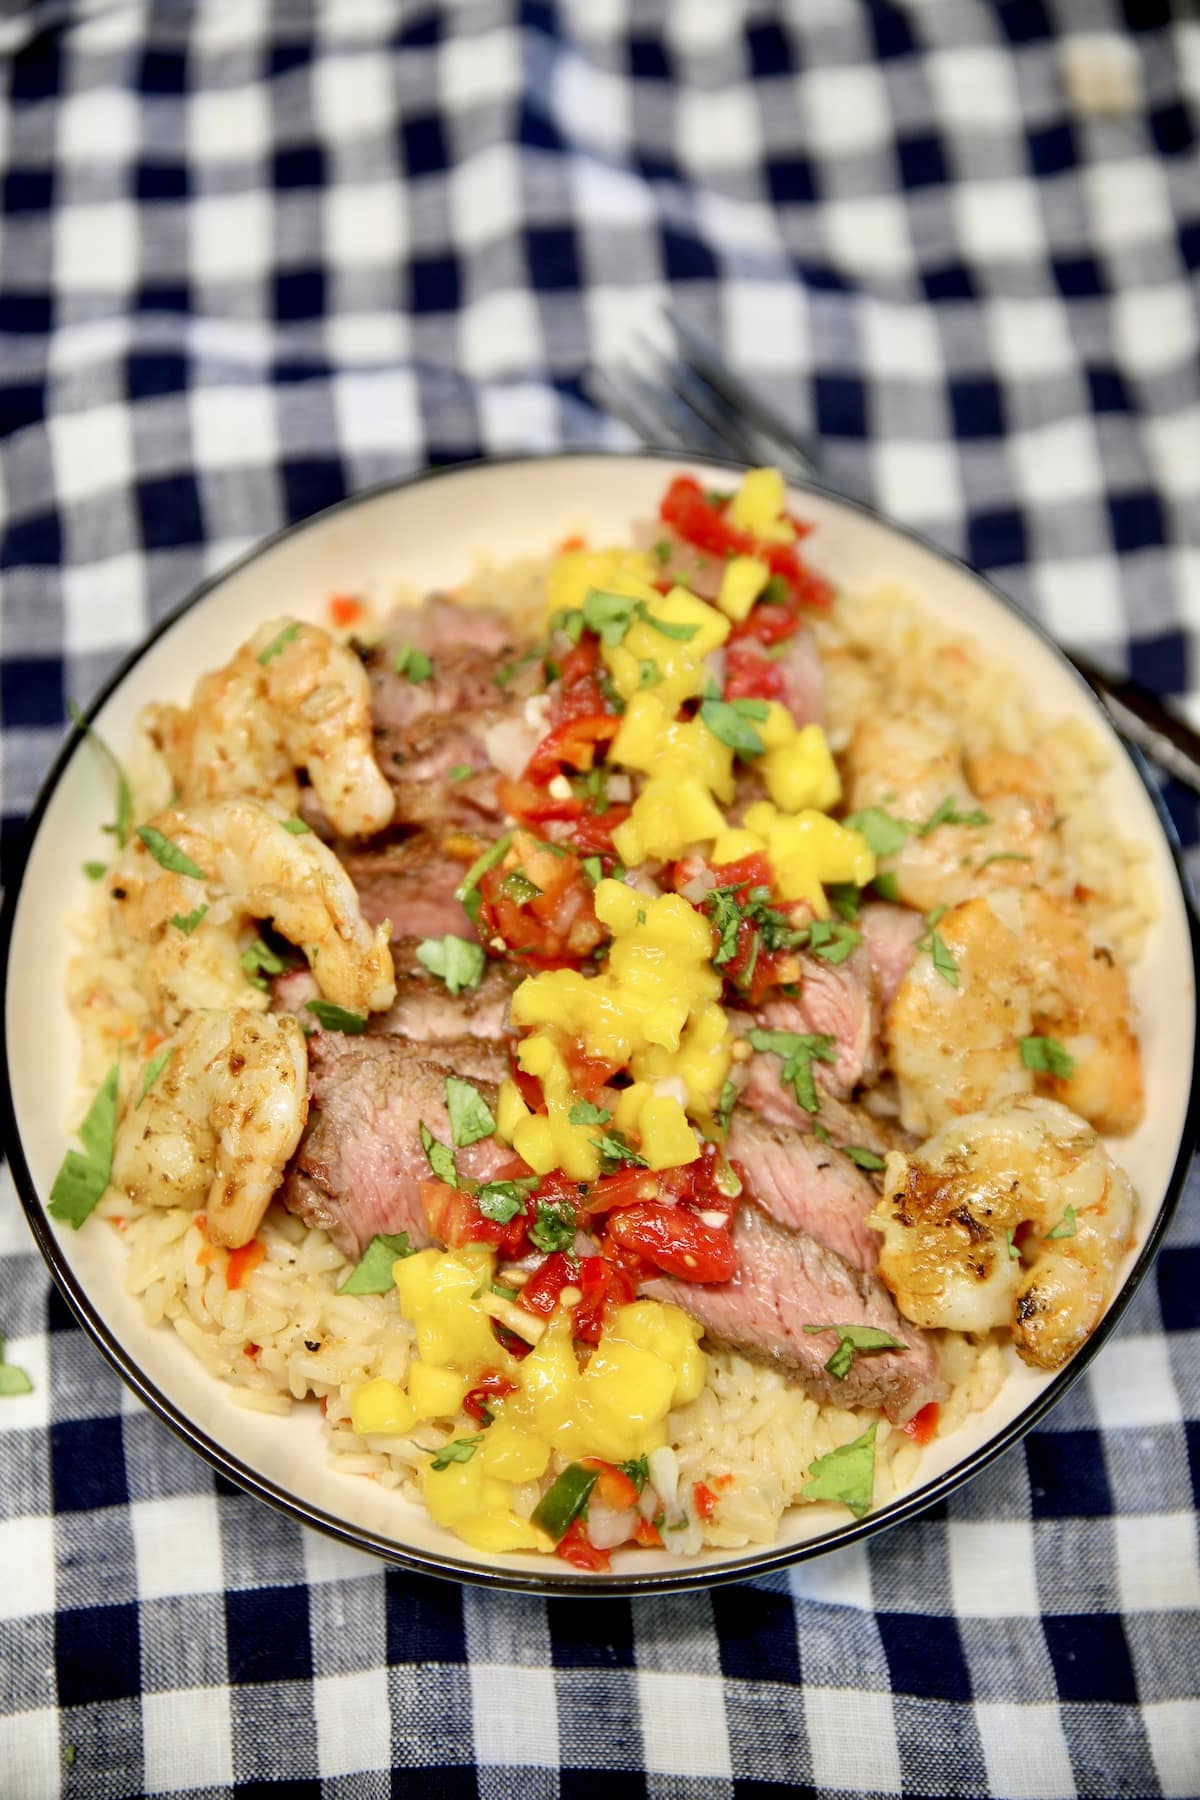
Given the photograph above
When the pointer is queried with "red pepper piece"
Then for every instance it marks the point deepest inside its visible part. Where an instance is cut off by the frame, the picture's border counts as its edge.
(674, 1240)
(491, 1386)
(601, 1284)
(573, 743)
(704, 1500)
(576, 1548)
(612, 1484)
(540, 1293)
(922, 1427)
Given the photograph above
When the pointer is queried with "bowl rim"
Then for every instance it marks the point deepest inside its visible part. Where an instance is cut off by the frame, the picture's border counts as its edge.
(749, 1564)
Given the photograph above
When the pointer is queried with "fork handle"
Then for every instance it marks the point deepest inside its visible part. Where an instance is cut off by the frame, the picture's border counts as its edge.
(1165, 738)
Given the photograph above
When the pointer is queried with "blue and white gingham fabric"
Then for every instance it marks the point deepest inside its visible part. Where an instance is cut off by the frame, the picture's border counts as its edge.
(255, 255)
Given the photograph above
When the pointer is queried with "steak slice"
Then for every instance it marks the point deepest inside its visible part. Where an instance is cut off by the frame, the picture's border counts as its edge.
(808, 1185)
(785, 1280)
(409, 885)
(358, 1168)
(424, 1010)
(890, 936)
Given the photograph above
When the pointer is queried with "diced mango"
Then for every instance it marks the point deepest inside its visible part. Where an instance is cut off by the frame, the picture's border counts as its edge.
(667, 1138)
(462, 1488)
(670, 1334)
(500, 1531)
(743, 581)
(733, 844)
(510, 1110)
(380, 1406)
(759, 507)
(435, 1290)
(512, 1454)
(436, 1393)
(548, 1379)
(627, 1383)
(573, 573)
(807, 850)
(534, 1142)
(801, 773)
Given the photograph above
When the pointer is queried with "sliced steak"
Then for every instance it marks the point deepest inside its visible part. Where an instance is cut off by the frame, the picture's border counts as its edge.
(359, 1166)
(786, 1280)
(441, 624)
(410, 885)
(834, 1000)
(419, 763)
(890, 936)
(761, 1091)
(807, 1184)
(427, 1012)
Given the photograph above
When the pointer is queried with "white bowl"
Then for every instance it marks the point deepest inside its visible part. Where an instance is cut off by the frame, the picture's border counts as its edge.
(421, 534)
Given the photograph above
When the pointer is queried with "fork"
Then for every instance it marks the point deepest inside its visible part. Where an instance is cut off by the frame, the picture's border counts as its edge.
(691, 401)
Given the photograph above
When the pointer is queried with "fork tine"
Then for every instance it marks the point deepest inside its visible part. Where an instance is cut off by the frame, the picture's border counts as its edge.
(702, 358)
(717, 419)
(614, 391)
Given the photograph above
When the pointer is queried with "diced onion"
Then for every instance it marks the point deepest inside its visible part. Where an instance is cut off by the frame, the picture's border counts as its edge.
(509, 744)
(664, 1473)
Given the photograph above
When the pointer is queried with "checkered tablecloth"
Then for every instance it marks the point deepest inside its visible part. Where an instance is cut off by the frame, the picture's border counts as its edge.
(255, 255)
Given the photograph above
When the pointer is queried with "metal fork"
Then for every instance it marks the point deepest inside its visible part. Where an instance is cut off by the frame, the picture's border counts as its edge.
(689, 400)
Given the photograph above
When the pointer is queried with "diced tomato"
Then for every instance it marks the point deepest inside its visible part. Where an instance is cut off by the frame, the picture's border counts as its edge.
(646, 1533)
(572, 742)
(535, 804)
(749, 675)
(454, 1219)
(580, 694)
(557, 1189)
(345, 610)
(704, 1500)
(675, 1241)
(528, 1086)
(588, 1073)
(251, 1350)
(625, 1188)
(612, 1484)
(508, 1340)
(243, 1262)
(747, 872)
(576, 1548)
(557, 925)
(922, 1427)
(766, 624)
(705, 524)
(602, 1284)
(540, 1293)
(490, 1386)
(592, 832)
(575, 542)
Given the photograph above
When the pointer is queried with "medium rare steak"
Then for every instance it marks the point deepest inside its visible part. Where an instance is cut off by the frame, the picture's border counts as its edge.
(804, 1183)
(410, 886)
(890, 936)
(424, 1010)
(836, 1000)
(359, 1166)
(786, 1280)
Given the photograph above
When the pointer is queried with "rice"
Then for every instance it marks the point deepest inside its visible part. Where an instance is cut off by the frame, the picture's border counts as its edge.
(285, 1336)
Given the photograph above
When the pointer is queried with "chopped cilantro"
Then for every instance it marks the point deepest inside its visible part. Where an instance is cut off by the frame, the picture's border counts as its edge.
(336, 1018)
(470, 1115)
(682, 634)
(1047, 1056)
(278, 644)
(798, 1050)
(662, 552)
(1004, 856)
(885, 834)
(553, 1228)
(569, 621)
(726, 1104)
(441, 1157)
(731, 722)
(154, 1069)
(259, 960)
(519, 888)
(463, 772)
(853, 1340)
(467, 891)
(586, 1112)
(593, 868)
(1066, 1225)
(458, 1450)
(846, 1475)
(886, 887)
(832, 940)
(187, 922)
(168, 854)
(933, 941)
(457, 961)
(948, 814)
(95, 871)
(413, 664)
(864, 1158)
(614, 1151)
(373, 1272)
(1014, 1253)
(649, 673)
(84, 1175)
(845, 900)
(297, 827)
(638, 1470)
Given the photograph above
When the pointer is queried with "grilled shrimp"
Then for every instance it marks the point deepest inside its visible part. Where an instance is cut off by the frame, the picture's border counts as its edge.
(1024, 966)
(912, 769)
(292, 698)
(951, 1212)
(219, 1121)
(250, 867)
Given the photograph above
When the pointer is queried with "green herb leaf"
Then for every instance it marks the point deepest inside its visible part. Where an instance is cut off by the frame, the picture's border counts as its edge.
(518, 888)
(799, 1050)
(1014, 1253)
(336, 1018)
(948, 814)
(441, 1157)
(568, 620)
(457, 961)
(638, 1470)
(832, 940)
(373, 1272)
(854, 1340)
(120, 825)
(609, 615)
(82, 1179)
(297, 827)
(726, 1104)
(586, 1112)
(154, 1069)
(864, 1158)
(846, 1475)
(463, 771)
(726, 915)
(1066, 1225)
(413, 664)
(458, 1450)
(649, 673)
(470, 1116)
(1047, 1056)
(730, 721)
(1004, 856)
(943, 959)
(662, 552)
(845, 900)
(168, 854)
(681, 634)
(553, 1228)
(593, 868)
(95, 871)
(500, 1201)
(280, 643)
(258, 958)
(614, 1151)
(885, 834)
(466, 893)
(886, 886)
(187, 922)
